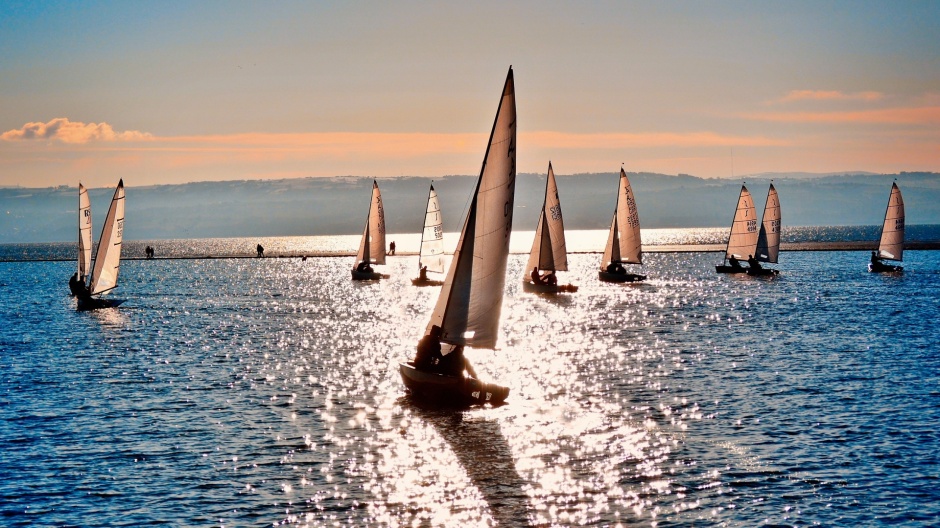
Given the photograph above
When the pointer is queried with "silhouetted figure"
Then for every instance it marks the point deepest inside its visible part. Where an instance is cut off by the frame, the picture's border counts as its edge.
(391, 248)
(616, 267)
(734, 263)
(423, 274)
(428, 354)
(550, 278)
(260, 249)
(76, 285)
(364, 267)
(753, 263)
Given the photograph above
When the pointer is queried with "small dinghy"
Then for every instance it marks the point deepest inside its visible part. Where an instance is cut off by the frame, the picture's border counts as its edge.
(372, 246)
(548, 249)
(431, 255)
(891, 246)
(107, 264)
(623, 242)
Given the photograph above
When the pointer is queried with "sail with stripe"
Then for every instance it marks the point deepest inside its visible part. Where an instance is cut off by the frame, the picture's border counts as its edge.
(548, 249)
(468, 308)
(891, 246)
(743, 239)
(768, 240)
(108, 256)
(623, 241)
(432, 237)
(372, 245)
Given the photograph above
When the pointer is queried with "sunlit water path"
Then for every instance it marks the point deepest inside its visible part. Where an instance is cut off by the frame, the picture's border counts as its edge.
(265, 392)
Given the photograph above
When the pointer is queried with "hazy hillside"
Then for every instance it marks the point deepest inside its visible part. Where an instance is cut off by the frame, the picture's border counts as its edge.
(318, 206)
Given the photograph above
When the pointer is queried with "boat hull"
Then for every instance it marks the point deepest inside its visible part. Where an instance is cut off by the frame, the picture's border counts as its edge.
(426, 282)
(531, 287)
(94, 303)
(620, 277)
(721, 268)
(450, 391)
(368, 276)
(884, 268)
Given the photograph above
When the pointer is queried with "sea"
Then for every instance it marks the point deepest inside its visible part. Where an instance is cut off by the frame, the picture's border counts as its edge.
(265, 392)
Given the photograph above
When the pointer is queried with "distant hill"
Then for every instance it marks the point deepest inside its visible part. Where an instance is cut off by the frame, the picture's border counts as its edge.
(322, 206)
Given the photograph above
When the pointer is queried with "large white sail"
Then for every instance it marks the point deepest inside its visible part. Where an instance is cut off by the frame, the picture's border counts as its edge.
(623, 241)
(84, 232)
(372, 246)
(548, 249)
(432, 238)
(468, 308)
(891, 246)
(768, 240)
(743, 240)
(108, 255)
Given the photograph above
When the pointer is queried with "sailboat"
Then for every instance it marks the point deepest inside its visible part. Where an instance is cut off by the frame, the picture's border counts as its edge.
(768, 239)
(891, 246)
(623, 241)
(107, 262)
(372, 246)
(77, 282)
(548, 249)
(467, 310)
(743, 239)
(431, 255)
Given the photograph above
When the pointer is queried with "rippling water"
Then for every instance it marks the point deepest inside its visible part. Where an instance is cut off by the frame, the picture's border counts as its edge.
(234, 392)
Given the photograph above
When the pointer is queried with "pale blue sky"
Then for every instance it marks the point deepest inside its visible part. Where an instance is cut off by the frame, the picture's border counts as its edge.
(234, 90)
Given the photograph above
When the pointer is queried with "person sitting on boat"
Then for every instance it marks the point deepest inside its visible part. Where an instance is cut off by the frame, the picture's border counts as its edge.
(616, 267)
(364, 267)
(428, 354)
(423, 274)
(455, 364)
(733, 262)
(550, 278)
(753, 263)
(76, 285)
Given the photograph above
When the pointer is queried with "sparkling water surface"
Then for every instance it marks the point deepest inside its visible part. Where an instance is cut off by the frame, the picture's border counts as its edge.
(265, 392)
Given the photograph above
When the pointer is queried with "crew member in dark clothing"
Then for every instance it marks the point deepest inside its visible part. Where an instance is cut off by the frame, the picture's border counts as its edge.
(753, 263)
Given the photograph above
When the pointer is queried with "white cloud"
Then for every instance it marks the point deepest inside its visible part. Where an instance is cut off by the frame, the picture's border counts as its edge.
(61, 129)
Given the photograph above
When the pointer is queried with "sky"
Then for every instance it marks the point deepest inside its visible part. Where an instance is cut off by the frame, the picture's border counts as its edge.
(172, 92)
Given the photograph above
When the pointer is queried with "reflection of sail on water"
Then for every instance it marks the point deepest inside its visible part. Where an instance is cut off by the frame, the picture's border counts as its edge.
(372, 246)
(623, 241)
(108, 256)
(468, 308)
(891, 246)
(743, 239)
(768, 240)
(432, 237)
(483, 452)
(84, 232)
(548, 249)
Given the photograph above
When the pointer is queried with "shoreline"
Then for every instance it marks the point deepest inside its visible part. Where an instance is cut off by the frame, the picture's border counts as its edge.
(677, 248)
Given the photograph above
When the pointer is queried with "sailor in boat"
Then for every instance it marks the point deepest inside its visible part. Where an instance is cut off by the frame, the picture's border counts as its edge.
(617, 268)
(423, 274)
(735, 263)
(429, 358)
(548, 278)
(753, 263)
(76, 284)
(877, 264)
(364, 267)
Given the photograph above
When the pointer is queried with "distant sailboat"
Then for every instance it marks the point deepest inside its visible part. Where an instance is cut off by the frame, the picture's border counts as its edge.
(431, 255)
(891, 246)
(768, 239)
(467, 310)
(77, 282)
(372, 246)
(742, 242)
(107, 263)
(548, 249)
(623, 242)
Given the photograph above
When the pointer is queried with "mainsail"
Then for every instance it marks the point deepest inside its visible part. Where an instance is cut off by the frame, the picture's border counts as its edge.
(768, 240)
(891, 246)
(372, 246)
(467, 310)
(548, 249)
(108, 256)
(432, 237)
(743, 240)
(84, 232)
(623, 241)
